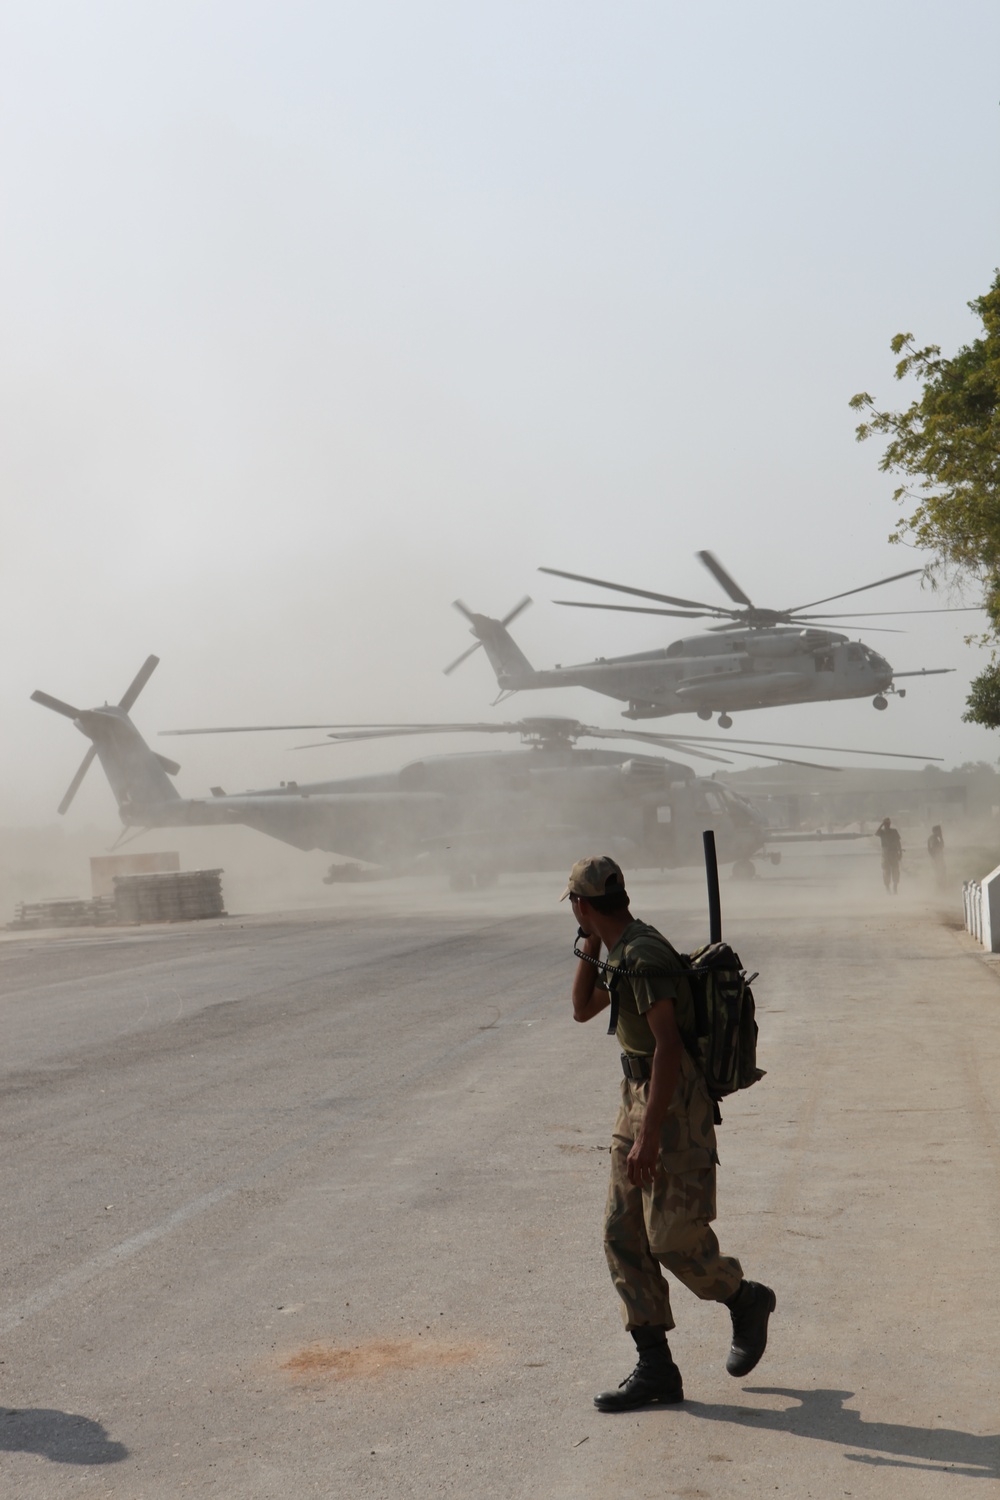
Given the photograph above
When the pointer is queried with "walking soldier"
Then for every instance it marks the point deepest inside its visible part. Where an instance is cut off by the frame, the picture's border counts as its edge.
(661, 1200)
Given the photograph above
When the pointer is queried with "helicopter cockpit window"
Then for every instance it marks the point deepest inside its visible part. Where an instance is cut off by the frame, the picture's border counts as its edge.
(855, 653)
(715, 799)
(824, 661)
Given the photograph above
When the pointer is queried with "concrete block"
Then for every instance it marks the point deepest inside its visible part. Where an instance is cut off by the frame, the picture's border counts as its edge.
(989, 920)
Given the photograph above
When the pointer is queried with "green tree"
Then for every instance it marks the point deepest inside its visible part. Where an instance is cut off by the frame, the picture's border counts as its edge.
(945, 446)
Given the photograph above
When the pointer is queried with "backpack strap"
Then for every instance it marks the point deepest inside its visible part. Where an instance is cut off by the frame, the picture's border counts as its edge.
(613, 992)
(613, 974)
(613, 971)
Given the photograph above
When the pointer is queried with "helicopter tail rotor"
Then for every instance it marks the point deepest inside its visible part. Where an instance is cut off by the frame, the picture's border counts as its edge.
(79, 716)
(463, 609)
(481, 626)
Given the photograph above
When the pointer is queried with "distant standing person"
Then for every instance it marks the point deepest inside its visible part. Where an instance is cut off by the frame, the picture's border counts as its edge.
(892, 853)
(661, 1200)
(935, 848)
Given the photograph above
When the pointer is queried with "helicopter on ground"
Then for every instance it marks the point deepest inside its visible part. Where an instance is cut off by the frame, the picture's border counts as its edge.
(754, 658)
(471, 816)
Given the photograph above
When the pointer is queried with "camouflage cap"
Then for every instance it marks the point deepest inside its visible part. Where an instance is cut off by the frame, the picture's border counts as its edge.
(598, 875)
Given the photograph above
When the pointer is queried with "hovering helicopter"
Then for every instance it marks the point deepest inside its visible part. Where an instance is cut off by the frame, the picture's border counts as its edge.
(471, 816)
(765, 657)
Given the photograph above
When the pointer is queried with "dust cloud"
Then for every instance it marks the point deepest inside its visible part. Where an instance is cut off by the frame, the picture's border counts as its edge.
(317, 319)
(263, 879)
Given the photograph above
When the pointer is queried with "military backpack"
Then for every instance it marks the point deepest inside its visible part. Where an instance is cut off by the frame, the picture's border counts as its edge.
(724, 1041)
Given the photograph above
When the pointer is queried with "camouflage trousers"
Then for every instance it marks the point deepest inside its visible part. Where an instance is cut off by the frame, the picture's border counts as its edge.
(668, 1223)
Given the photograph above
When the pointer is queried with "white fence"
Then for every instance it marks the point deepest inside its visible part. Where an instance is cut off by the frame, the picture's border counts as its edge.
(972, 900)
(981, 900)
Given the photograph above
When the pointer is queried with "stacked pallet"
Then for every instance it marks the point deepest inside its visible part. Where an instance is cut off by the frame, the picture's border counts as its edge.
(184, 896)
(63, 911)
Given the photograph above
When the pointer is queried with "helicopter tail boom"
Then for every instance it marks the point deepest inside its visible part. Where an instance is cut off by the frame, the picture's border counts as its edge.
(509, 663)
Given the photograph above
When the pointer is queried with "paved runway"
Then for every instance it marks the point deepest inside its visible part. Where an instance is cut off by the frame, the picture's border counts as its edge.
(310, 1205)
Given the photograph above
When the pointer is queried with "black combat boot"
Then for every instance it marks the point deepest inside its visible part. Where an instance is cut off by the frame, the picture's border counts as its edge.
(750, 1308)
(655, 1378)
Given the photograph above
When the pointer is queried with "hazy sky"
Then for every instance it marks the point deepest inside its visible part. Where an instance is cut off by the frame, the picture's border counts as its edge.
(319, 315)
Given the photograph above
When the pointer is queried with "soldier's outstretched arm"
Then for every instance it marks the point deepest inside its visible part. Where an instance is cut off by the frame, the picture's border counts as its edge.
(588, 998)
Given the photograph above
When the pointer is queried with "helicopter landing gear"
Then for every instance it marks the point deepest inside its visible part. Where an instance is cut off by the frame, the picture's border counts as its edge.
(744, 869)
(705, 714)
(880, 702)
(725, 722)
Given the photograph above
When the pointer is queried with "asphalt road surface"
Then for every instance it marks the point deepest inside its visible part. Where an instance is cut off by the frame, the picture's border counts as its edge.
(310, 1205)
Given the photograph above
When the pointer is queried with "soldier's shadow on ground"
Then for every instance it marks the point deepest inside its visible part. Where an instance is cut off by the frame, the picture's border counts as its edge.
(822, 1415)
(62, 1436)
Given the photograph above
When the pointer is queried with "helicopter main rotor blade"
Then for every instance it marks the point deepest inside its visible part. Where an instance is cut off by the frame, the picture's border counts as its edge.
(818, 621)
(573, 729)
(361, 731)
(624, 588)
(806, 619)
(872, 614)
(665, 739)
(698, 752)
(636, 609)
(74, 785)
(893, 578)
(138, 682)
(558, 729)
(721, 577)
(693, 745)
(693, 749)
(787, 760)
(400, 731)
(246, 728)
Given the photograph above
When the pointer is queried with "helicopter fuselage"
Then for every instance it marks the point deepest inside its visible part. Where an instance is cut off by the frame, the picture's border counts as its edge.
(475, 814)
(501, 811)
(717, 673)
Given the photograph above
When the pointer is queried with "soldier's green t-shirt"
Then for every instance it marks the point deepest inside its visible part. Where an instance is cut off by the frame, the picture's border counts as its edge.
(661, 976)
